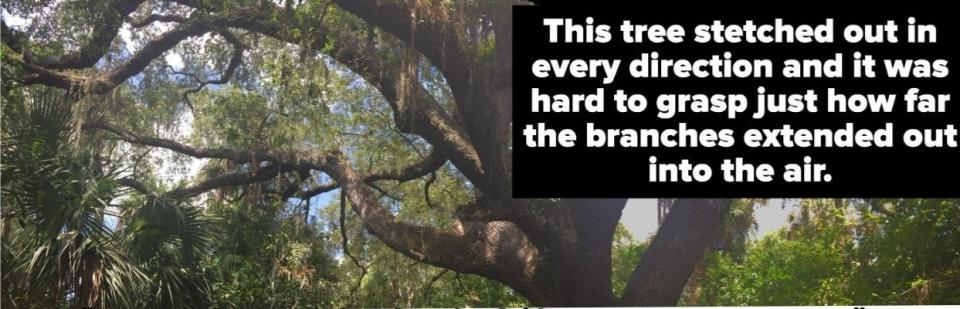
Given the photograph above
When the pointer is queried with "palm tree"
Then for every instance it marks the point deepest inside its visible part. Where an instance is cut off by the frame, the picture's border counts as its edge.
(68, 237)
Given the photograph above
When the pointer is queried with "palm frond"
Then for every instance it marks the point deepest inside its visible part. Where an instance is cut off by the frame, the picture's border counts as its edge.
(59, 194)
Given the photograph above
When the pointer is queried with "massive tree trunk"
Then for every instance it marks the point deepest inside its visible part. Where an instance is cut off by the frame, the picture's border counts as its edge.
(575, 268)
(553, 252)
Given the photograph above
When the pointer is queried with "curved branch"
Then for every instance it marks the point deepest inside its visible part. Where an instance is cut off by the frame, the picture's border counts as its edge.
(235, 61)
(426, 189)
(494, 249)
(283, 161)
(152, 50)
(433, 162)
(422, 115)
(40, 75)
(480, 86)
(230, 180)
(196, 152)
(106, 81)
(103, 33)
(134, 184)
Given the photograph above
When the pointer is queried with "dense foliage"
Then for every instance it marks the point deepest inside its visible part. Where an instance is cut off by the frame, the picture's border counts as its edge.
(839, 252)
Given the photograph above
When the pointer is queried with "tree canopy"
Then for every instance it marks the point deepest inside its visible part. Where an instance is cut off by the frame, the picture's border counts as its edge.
(300, 153)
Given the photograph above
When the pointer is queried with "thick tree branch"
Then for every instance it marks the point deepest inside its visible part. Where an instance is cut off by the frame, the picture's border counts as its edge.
(494, 249)
(433, 162)
(230, 180)
(141, 59)
(481, 90)
(104, 82)
(679, 245)
(421, 115)
(111, 13)
(134, 184)
(200, 152)
(283, 161)
(444, 47)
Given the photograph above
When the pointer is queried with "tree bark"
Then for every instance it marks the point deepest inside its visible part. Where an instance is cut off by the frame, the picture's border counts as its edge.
(680, 244)
(575, 269)
(91, 274)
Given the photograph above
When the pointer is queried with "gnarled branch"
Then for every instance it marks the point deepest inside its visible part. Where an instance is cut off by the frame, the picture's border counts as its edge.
(433, 162)
(494, 249)
(106, 81)
(283, 161)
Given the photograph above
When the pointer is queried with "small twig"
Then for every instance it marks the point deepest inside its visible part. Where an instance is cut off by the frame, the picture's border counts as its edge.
(429, 288)
(384, 192)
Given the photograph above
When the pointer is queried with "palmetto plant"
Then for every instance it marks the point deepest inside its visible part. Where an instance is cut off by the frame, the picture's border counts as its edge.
(67, 241)
(167, 238)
